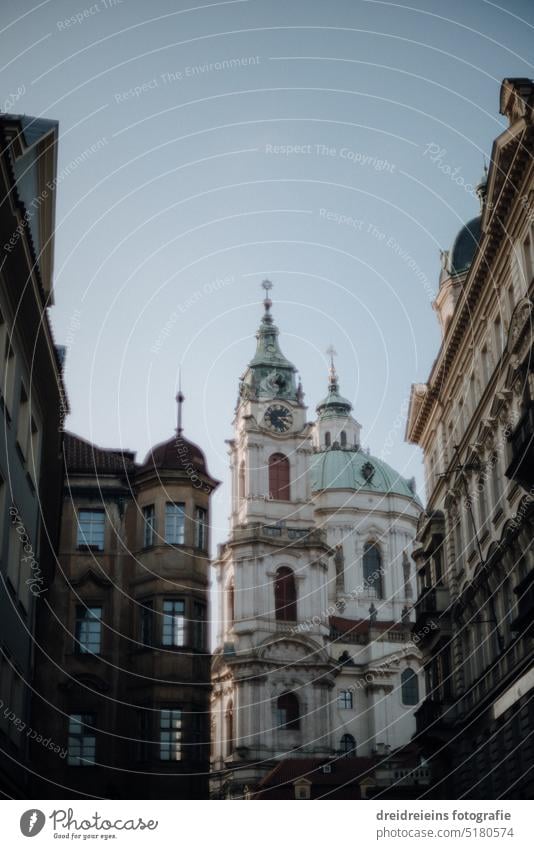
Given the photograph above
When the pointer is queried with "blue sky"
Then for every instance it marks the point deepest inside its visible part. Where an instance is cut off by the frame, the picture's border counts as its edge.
(225, 142)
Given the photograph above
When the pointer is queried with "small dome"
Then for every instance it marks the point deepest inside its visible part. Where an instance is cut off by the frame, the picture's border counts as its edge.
(176, 454)
(355, 470)
(464, 246)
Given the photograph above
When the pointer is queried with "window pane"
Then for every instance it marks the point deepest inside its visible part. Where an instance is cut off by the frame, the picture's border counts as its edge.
(201, 528)
(91, 528)
(149, 526)
(345, 699)
(173, 623)
(199, 629)
(175, 523)
(88, 630)
(410, 687)
(81, 740)
(170, 735)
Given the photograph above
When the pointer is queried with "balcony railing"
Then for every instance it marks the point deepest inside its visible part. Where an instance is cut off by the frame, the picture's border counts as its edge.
(287, 536)
(521, 450)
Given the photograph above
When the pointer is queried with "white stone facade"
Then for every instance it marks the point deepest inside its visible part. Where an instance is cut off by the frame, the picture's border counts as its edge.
(318, 538)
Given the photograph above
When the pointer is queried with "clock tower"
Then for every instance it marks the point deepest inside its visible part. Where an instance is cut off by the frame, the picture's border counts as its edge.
(272, 677)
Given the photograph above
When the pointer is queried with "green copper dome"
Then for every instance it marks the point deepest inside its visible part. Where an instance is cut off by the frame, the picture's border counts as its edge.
(334, 404)
(355, 470)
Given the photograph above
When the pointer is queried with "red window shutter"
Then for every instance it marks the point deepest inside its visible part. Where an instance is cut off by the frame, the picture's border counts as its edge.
(279, 488)
(285, 595)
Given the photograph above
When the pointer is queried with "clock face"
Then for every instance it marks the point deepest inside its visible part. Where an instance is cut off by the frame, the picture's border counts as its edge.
(278, 418)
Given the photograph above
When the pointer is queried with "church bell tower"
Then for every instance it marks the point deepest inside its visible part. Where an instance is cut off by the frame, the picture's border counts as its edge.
(272, 678)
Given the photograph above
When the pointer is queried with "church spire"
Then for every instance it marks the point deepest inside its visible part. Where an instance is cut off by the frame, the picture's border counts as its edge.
(269, 374)
(334, 404)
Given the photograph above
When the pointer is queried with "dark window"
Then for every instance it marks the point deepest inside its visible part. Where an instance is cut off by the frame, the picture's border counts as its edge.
(288, 713)
(285, 595)
(144, 735)
(199, 737)
(231, 604)
(242, 480)
(147, 623)
(348, 745)
(91, 524)
(88, 630)
(173, 623)
(279, 477)
(170, 735)
(343, 439)
(174, 523)
(410, 687)
(82, 739)
(344, 699)
(201, 528)
(149, 528)
(327, 439)
(438, 566)
(229, 729)
(372, 569)
(199, 625)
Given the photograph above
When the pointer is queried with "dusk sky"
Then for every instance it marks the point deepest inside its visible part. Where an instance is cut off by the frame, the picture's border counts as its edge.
(331, 147)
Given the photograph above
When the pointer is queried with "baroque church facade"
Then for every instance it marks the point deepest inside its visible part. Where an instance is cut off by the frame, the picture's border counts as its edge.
(315, 656)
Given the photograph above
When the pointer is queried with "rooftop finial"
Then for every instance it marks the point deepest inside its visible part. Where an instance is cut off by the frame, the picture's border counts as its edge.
(332, 379)
(267, 303)
(180, 398)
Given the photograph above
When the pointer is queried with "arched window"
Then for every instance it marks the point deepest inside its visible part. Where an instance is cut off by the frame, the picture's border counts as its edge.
(327, 439)
(348, 745)
(285, 595)
(343, 439)
(241, 482)
(231, 603)
(279, 477)
(288, 712)
(229, 729)
(372, 569)
(409, 687)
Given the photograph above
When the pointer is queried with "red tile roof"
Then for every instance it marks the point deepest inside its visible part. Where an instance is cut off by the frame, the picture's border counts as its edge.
(82, 456)
(345, 775)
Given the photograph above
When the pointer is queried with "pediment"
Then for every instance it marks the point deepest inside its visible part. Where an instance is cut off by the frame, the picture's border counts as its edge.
(290, 650)
(91, 576)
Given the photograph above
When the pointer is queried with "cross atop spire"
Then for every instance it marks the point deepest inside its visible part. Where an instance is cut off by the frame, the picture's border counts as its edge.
(331, 351)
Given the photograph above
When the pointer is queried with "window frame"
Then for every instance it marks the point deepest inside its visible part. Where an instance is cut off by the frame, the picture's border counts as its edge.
(409, 684)
(86, 721)
(149, 525)
(279, 472)
(82, 544)
(201, 528)
(344, 750)
(288, 717)
(345, 700)
(375, 588)
(81, 646)
(198, 623)
(285, 595)
(170, 737)
(174, 616)
(175, 523)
